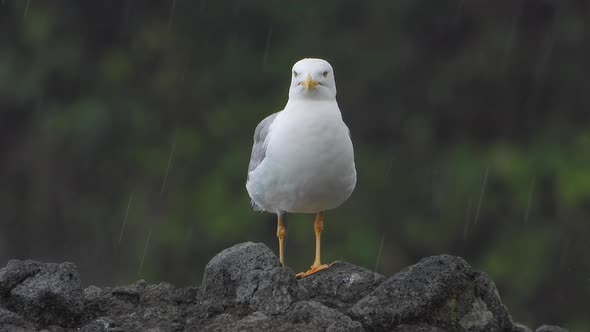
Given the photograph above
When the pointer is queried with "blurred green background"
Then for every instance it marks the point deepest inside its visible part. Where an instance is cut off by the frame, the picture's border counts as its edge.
(126, 128)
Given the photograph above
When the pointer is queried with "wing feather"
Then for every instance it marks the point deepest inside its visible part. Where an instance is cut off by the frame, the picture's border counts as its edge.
(259, 147)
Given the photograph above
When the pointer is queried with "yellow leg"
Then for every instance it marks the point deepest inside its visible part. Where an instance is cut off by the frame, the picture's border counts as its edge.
(318, 227)
(281, 232)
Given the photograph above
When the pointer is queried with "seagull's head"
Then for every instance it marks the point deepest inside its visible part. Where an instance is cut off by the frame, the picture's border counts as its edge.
(312, 79)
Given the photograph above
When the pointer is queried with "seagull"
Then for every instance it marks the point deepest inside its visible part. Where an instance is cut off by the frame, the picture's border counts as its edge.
(302, 159)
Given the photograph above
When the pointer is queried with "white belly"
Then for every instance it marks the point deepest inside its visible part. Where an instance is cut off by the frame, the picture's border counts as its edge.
(309, 165)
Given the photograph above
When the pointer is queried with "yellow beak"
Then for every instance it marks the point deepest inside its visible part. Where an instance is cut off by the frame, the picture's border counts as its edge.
(309, 83)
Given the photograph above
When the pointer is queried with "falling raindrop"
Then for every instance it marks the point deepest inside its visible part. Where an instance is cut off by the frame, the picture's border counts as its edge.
(158, 208)
(183, 72)
(481, 194)
(267, 45)
(541, 67)
(460, 9)
(389, 165)
(467, 218)
(171, 14)
(145, 249)
(27, 8)
(168, 165)
(236, 9)
(189, 233)
(564, 254)
(545, 55)
(527, 211)
(378, 260)
(509, 47)
(125, 218)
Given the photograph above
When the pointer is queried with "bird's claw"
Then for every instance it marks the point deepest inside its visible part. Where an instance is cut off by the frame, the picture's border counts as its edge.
(314, 269)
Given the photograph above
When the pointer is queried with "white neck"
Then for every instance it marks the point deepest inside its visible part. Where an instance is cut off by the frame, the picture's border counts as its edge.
(299, 101)
(315, 95)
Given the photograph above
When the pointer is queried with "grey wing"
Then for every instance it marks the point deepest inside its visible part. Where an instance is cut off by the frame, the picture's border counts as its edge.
(259, 147)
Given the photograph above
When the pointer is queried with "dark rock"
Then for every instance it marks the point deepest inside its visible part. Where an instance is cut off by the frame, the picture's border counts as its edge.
(418, 328)
(220, 323)
(486, 300)
(550, 328)
(321, 318)
(99, 302)
(341, 286)
(48, 294)
(441, 291)
(16, 272)
(102, 324)
(53, 328)
(521, 328)
(245, 289)
(130, 293)
(136, 306)
(248, 276)
(10, 321)
(257, 321)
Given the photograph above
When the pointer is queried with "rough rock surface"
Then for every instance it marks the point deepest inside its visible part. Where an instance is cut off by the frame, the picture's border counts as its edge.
(321, 317)
(418, 328)
(442, 291)
(48, 294)
(244, 288)
(550, 328)
(521, 328)
(342, 285)
(249, 277)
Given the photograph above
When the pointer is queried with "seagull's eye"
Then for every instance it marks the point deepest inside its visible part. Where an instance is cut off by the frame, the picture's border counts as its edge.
(325, 74)
(295, 73)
